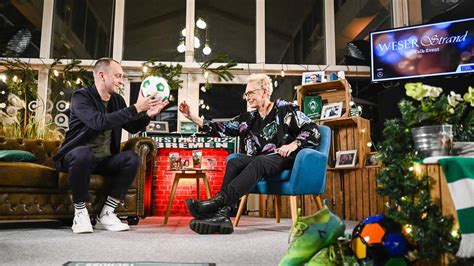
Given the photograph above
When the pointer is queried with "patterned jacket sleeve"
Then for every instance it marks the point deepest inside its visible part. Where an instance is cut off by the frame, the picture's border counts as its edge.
(231, 128)
(305, 130)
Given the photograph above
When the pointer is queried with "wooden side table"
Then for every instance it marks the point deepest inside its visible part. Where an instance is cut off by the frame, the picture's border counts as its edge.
(188, 173)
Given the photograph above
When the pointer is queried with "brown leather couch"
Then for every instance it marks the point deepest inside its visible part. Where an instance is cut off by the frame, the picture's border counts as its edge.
(37, 191)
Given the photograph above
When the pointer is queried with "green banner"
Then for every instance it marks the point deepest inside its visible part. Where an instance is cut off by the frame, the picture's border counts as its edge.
(180, 141)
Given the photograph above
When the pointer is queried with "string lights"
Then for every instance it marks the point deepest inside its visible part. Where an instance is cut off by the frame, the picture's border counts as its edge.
(201, 29)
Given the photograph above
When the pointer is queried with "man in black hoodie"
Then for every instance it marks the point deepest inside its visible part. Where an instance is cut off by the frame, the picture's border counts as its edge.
(92, 144)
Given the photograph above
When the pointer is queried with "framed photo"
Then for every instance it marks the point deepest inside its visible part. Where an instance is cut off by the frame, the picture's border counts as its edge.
(157, 127)
(372, 161)
(312, 107)
(312, 77)
(332, 110)
(346, 158)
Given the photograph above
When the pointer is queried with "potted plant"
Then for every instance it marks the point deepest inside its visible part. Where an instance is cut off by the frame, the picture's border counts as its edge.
(436, 117)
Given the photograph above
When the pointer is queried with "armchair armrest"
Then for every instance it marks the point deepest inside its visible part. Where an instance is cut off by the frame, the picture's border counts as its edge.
(308, 175)
(142, 146)
(233, 156)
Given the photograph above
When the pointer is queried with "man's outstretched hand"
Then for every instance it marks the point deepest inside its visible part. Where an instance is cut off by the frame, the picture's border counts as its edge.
(156, 108)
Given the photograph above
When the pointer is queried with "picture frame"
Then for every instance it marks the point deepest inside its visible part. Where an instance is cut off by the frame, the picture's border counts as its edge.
(346, 159)
(312, 106)
(312, 77)
(158, 127)
(371, 160)
(331, 111)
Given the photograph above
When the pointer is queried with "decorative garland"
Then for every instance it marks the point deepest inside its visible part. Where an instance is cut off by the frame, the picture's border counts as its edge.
(170, 73)
(221, 71)
(72, 76)
(21, 92)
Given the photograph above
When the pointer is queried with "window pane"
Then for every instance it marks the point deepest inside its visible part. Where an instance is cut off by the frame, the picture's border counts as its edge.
(153, 29)
(20, 28)
(284, 87)
(294, 32)
(440, 10)
(222, 101)
(230, 29)
(355, 19)
(82, 29)
(59, 99)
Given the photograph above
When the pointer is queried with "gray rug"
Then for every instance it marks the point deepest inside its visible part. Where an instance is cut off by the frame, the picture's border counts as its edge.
(128, 263)
(257, 241)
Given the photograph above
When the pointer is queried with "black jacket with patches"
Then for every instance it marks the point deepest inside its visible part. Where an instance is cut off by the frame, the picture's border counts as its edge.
(284, 124)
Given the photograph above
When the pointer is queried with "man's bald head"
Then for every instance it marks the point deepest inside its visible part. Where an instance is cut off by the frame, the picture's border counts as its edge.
(103, 64)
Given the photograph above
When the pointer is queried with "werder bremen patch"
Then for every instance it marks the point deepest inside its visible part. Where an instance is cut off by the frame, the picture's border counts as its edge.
(269, 131)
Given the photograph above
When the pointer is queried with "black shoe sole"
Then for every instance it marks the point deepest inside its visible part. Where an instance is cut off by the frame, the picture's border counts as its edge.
(206, 228)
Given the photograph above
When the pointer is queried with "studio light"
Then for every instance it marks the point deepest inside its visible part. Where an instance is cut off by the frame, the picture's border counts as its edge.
(200, 23)
(181, 47)
(207, 50)
(197, 42)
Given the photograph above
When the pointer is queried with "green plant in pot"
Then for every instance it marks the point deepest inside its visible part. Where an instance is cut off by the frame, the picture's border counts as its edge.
(435, 118)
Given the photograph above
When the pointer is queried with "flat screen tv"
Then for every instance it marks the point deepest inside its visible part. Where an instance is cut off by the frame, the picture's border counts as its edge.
(445, 48)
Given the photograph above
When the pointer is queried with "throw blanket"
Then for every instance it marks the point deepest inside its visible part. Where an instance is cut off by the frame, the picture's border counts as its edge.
(459, 173)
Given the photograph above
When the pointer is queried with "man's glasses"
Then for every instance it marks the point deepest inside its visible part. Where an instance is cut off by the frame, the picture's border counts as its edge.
(249, 94)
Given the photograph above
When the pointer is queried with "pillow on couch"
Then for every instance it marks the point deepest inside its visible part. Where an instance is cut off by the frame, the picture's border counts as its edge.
(17, 156)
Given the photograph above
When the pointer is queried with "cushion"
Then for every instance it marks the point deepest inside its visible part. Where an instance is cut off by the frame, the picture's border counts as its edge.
(31, 175)
(17, 156)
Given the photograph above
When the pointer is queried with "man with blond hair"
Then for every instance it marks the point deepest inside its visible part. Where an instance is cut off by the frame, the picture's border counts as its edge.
(270, 137)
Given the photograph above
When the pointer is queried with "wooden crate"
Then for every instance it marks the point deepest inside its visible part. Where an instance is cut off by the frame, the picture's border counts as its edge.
(330, 92)
(351, 194)
(440, 190)
(351, 133)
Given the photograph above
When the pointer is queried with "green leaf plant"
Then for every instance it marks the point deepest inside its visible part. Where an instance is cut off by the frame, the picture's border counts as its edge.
(404, 183)
(22, 90)
(222, 71)
(169, 72)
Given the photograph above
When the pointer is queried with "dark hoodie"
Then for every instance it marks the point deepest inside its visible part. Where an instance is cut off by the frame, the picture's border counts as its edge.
(88, 118)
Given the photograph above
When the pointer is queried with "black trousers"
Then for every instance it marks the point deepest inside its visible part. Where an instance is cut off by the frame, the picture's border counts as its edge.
(80, 163)
(243, 173)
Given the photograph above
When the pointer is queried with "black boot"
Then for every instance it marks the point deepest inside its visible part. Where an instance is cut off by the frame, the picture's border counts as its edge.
(205, 208)
(218, 223)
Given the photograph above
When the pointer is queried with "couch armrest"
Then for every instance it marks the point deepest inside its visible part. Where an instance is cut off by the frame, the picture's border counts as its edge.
(146, 150)
(142, 146)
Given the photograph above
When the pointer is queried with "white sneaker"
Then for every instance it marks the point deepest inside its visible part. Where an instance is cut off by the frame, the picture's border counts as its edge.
(81, 223)
(111, 222)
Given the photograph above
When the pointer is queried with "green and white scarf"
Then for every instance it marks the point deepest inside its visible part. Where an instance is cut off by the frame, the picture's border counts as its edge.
(459, 173)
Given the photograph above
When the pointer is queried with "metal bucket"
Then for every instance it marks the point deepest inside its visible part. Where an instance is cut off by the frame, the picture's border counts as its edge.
(433, 140)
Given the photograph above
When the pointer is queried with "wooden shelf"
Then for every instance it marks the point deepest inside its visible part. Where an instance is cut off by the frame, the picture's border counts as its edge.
(342, 168)
(343, 121)
(330, 92)
(348, 133)
(312, 88)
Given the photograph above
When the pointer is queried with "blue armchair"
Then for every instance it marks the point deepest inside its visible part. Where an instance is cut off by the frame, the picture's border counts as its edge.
(308, 177)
